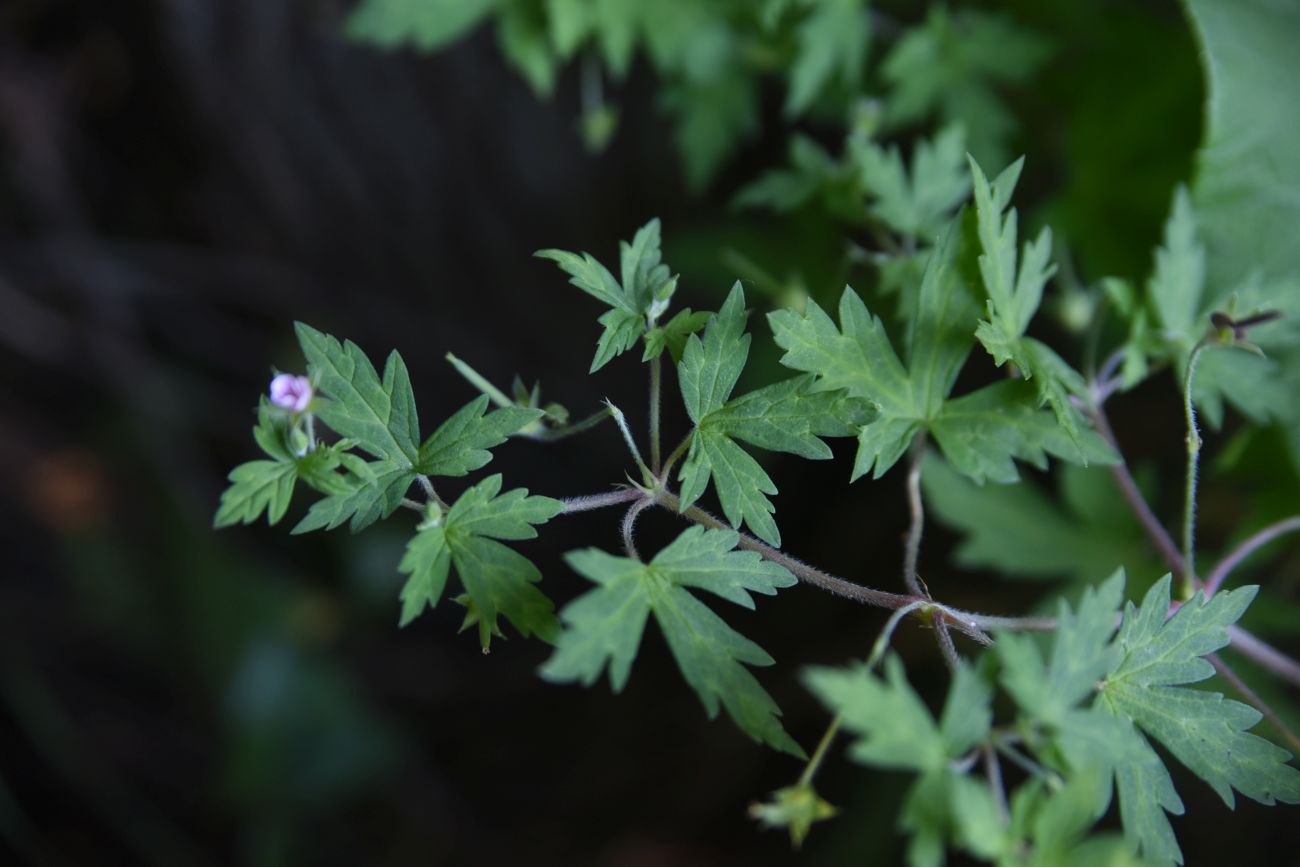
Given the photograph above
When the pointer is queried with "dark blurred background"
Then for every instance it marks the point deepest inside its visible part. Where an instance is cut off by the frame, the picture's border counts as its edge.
(181, 180)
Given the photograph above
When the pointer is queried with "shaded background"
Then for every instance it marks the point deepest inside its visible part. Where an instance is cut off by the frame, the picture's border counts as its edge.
(181, 180)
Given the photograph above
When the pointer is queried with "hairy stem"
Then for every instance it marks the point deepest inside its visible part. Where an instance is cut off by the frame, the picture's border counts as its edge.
(656, 375)
(621, 421)
(912, 548)
(944, 639)
(1155, 531)
(1246, 548)
(802, 571)
(1190, 581)
(1253, 699)
(600, 501)
(629, 525)
(966, 622)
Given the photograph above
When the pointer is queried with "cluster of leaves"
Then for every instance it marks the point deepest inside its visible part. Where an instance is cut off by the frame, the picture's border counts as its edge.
(981, 433)
(378, 417)
(711, 56)
(1087, 704)
(1086, 709)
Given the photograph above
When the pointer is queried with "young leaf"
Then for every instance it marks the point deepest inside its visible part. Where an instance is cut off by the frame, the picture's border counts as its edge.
(1138, 679)
(497, 580)
(267, 486)
(635, 303)
(832, 43)
(1014, 296)
(787, 416)
(896, 730)
(378, 414)
(256, 487)
(672, 334)
(461, 444)
(371, 491)
(604, 626)
(1081, 655)
(951, 65)
(918, 205)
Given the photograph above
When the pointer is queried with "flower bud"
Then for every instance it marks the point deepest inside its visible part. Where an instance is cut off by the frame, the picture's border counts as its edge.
(291, 392)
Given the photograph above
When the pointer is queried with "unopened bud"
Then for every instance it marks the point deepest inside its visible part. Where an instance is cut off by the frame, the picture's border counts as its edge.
(291, 392)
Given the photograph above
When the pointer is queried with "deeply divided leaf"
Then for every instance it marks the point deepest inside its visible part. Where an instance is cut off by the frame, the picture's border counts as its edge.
(498, 581)
(603, 628)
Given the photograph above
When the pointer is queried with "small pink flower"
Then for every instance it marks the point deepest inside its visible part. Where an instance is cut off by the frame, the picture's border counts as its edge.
(291, 392)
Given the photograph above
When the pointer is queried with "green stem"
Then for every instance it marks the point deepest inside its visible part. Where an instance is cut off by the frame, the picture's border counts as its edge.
(430, 492)
(674, 457)
(1190, 581)
(912, 548)
(819, 754)
(480, 382)
(877, 653)
(656, 375)
(543, 434)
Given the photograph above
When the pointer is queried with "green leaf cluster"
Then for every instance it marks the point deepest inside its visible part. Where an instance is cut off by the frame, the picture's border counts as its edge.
(1085, 712)
(603, 627)
(498, 581)
(1173, 314)
(379, 416)
(981, 433)
(788, 416)
(1015, 294)
(951, 68)
(267, 485)
(870, 184)
(636, 302)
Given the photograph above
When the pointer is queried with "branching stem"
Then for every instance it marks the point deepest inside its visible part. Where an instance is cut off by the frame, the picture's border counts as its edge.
(1246, 548)
(966, 622)
(1128, 488)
